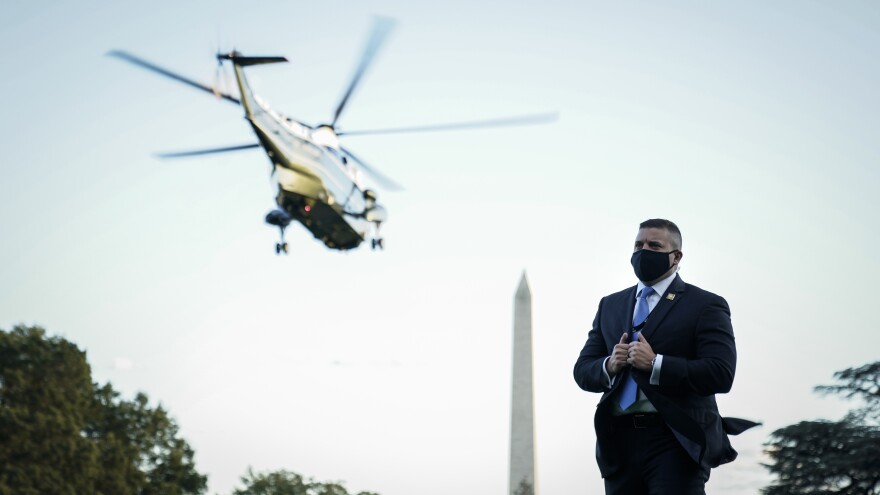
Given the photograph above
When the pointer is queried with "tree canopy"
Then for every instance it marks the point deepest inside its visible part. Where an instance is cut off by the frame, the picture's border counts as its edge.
(832, 457)
(62, 434)
(45, 405)
(285, 482)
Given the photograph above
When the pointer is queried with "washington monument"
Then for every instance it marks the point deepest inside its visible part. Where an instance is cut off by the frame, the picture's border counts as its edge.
(522, 410)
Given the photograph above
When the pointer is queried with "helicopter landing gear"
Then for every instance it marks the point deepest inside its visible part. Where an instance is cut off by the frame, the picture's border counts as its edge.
(281, 247)
(376, 242)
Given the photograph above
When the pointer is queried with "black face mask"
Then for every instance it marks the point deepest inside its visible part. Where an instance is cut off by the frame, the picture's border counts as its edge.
(650, 265)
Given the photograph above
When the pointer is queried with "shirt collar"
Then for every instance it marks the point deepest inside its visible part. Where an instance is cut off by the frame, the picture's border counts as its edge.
(660, 287)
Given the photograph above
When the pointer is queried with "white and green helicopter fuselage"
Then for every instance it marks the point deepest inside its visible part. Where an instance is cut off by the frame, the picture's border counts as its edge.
(318, 180)
(317, 184)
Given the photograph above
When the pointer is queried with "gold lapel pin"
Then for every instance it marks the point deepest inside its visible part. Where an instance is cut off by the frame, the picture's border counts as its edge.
(670, 296)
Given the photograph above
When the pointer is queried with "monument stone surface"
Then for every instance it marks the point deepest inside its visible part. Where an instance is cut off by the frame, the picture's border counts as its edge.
(522, 410)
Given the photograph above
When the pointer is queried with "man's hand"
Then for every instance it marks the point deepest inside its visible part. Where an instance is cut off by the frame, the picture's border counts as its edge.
(617, 361)
(640, 354)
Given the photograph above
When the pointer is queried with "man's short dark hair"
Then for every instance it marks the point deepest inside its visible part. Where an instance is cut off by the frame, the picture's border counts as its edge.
(667, 225)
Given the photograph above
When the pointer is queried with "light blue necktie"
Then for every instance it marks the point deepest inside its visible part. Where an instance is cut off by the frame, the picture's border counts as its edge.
(630, 389)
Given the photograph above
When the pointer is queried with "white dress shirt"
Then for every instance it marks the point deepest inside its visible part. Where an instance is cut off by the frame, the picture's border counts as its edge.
(659, 289)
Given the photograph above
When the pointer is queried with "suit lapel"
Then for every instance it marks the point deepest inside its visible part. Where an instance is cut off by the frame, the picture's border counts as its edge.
(621, 319)
(673, 295)
(626, 317)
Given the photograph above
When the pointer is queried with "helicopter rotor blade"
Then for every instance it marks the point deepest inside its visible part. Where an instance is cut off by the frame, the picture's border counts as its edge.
(542, 118)
(381, 179)
(180, 154)
(167, 73)
(381, 28)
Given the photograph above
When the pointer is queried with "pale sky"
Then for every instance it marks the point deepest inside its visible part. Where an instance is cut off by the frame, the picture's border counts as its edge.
(750, 124)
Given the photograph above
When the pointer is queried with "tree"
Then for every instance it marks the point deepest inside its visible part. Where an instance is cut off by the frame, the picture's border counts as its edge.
(828, 457)
(285, 482)
(140, 449)
(862, 383)
(45, 399)
(61, 433)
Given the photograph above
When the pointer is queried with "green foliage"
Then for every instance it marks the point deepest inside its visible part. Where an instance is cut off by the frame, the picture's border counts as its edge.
(861, 383)
(284, 482)
(141, 446)
(825, 457)
(45, 398)
(62, 434)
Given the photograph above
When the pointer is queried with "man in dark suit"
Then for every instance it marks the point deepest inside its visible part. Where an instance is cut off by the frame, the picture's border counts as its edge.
(659, 352)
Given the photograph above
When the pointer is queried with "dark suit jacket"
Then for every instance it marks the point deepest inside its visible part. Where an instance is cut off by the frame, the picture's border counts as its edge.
(691, 328)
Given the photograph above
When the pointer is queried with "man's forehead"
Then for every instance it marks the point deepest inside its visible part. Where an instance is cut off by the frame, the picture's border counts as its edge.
(653, 234)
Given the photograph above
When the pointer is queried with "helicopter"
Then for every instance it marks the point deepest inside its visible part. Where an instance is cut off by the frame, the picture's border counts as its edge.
(319, 182)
